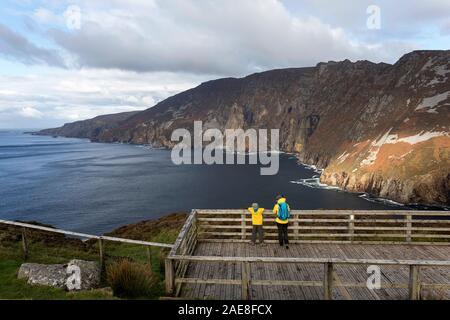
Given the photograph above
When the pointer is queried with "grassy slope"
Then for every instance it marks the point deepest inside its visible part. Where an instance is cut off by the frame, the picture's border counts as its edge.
(49, 248)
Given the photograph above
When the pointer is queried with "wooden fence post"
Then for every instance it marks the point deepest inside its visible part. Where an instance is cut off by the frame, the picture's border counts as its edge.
(414, 282)
(170, 276)
(244, 236)
(24, 244)
(149, 258)
(328, 281)
(408, 228)
(245, 280)
(296, 231)
(101, 253)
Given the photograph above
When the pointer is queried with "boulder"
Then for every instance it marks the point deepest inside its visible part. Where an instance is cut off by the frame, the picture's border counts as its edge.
(53, 275)
(76, 275)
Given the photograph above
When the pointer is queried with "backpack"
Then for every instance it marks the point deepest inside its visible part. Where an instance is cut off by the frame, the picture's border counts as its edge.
(283, 211)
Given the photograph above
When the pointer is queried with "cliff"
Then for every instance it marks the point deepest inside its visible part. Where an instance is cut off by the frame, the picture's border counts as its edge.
(89, 129)
(377, 128)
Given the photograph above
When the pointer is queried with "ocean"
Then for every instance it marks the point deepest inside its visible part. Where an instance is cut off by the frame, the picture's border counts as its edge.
(95, 187)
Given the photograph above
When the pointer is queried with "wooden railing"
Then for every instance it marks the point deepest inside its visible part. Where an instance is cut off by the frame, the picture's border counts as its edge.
(313, 227)
(184, 245)
(100, 239)
(328, 283)
(331, 226)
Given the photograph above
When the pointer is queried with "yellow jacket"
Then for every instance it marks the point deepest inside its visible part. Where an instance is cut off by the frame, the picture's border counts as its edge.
(257, 217)
(275, 210)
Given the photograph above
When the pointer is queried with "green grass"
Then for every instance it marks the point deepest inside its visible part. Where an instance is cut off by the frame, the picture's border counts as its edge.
(13, 288)
(11, 257)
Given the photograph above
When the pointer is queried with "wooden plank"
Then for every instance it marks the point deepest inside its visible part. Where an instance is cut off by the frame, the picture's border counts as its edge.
(328, 281)
(312, 260)
(414, 282)
(331, 212)
(208, 281)
(245, 285)
(182, 233)
(356, 242)
(169, 277)
(243, 232)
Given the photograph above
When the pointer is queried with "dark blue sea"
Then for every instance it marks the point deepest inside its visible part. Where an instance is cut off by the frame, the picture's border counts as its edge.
(94, 187)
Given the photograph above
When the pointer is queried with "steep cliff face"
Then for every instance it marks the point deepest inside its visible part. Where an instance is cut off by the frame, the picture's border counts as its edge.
(375, 128)
(89, 129)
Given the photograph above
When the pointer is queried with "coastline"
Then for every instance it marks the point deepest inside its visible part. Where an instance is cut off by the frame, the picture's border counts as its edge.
(313, 182)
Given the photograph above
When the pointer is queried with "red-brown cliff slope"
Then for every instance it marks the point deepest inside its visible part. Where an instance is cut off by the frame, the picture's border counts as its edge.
(375, 128)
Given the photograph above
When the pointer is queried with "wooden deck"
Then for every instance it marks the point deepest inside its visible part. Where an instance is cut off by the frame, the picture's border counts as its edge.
(329, 256)
(391, 275)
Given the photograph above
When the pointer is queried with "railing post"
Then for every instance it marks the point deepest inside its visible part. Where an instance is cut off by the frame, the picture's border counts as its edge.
(24, 244)
(149, 258)
(408, 227)
(351, 226)
(414, 282)
(170, 276)
(101, 252)
(245, 280)
(244, 236)
(328, 281)
(296, 225)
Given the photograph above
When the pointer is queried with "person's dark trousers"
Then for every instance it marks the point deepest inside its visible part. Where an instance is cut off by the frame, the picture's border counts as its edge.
(258, 231)
(283, 233)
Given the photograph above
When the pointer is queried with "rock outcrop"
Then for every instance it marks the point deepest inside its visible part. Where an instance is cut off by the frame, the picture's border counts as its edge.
(53, 275)
(76, 275)
(377, 128)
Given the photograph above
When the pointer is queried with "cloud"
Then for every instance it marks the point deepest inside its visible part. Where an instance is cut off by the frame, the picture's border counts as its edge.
(60, 96)
(30, 112)
(207, 37)
(131, 54)
(16, 47)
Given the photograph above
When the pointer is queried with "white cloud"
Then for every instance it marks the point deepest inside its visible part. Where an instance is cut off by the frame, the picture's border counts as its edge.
(131, 54)
(43, 15)
(211, 37)
(30, 112)
(60, 96)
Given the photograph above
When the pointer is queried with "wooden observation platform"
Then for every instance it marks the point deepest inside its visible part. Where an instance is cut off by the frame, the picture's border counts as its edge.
(332, 255)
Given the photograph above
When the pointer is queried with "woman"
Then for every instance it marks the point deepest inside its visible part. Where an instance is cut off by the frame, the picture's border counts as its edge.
(282, 210)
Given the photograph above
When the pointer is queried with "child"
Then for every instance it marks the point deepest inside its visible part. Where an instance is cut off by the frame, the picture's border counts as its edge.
(257, 222)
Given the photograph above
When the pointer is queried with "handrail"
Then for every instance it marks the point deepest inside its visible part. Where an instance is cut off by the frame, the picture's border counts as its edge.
(396, 262)
(86, 236)
(185, 242)
(344, 226)
(332, 212)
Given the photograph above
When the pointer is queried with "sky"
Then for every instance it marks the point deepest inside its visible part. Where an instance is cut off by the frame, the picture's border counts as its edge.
(64, 61)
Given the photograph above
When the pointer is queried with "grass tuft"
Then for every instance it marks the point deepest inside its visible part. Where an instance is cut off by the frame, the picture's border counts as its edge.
(131, 280)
